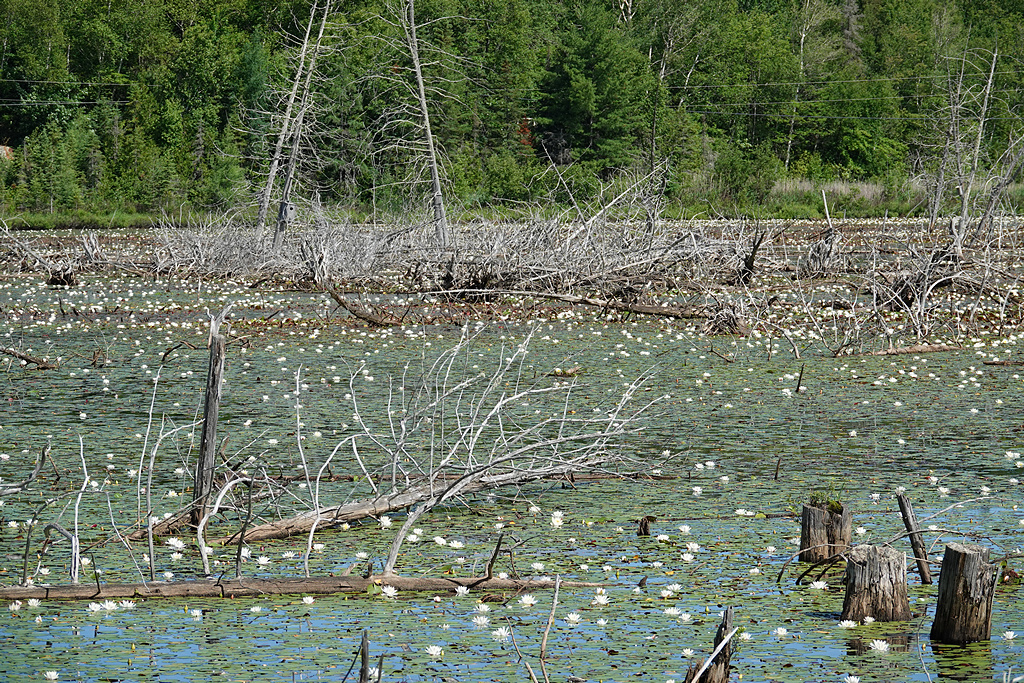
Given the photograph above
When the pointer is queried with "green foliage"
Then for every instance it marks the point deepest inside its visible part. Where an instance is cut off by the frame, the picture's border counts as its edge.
(149, 105)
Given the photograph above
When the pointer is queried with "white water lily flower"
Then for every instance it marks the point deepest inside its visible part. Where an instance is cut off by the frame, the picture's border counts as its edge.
(50, 675)
(527, 600)
(672, 611)
(1009, 635)
(819, 585)
(389, 592)
(481, 621)
(435, 651)
(780, 631)
(501, 634)
(846, 623)
(879, 645)
(308, 600)
(573, 618)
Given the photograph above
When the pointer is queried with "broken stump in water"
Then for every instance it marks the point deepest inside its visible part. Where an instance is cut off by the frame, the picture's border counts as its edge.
(825, 530)
(876, 584)
(967, 581)
(715, 669)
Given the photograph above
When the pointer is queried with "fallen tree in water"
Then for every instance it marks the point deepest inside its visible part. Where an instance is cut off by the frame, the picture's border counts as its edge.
(250, 587)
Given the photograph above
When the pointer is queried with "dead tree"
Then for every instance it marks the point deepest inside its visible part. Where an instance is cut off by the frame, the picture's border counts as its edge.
(479, 434)
(292, 124)
(208, 444)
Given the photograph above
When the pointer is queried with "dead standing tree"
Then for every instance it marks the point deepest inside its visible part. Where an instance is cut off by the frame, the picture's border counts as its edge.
(405, 123)
(296, 107)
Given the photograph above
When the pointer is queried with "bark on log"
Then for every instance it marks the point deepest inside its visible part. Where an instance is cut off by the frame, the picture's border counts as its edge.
(824, 533)
(963, 610)
(244, 587)
(876, 584)
(916, 542)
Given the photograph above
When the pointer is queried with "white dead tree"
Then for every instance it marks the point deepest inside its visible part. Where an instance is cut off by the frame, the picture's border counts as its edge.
(453, 431)
(410, 93)
(296, 106)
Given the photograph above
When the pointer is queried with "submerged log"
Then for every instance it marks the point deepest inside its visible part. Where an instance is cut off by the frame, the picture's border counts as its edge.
(963, 610)
(245, 587)
(876, 584)
(824, 532)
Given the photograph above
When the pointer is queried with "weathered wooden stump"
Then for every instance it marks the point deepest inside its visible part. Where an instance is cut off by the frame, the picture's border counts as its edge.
(876, 584)
(824, 531)
(967, 581)
(716, 668)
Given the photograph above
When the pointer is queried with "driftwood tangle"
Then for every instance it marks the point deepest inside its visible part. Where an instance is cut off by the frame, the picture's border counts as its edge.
(963, 610)
(249, 587)
(824, 533)
(876, 584)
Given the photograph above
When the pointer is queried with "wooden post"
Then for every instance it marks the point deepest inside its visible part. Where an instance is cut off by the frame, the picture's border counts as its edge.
(967, 581)
(208, 445)
(824, 533)
(716, 668)
(876, 584)
(916, 542)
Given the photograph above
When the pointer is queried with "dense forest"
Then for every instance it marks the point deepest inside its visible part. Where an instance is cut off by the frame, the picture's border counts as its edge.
(149, 106)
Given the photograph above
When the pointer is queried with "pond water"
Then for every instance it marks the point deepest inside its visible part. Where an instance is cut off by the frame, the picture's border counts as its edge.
(945, 427)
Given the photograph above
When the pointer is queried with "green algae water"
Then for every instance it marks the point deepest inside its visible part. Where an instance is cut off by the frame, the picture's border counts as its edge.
(945, 428)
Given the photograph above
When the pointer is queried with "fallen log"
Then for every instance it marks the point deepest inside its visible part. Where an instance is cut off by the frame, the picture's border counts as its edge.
(180, 520)
(251, 587)
(349, 512)
(38, 362)
(916, 348)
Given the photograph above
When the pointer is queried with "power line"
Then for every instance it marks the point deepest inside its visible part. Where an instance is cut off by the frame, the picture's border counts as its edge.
(826, 82)
(48, 103)
(35, 82)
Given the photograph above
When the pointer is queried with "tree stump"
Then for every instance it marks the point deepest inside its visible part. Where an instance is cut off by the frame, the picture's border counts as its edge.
(716, 668)
(967, 581)
(824, 532)
(876, 584)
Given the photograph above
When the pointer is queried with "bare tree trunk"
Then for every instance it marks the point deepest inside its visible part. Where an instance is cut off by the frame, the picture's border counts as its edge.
(437, 198)
(208, 448)
(959, 227)
(291, 127)
(286, 124)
